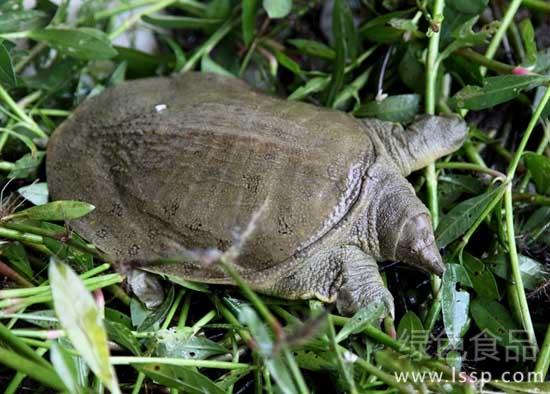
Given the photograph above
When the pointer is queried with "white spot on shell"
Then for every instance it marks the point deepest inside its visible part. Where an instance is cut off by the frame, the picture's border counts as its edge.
(160, 108)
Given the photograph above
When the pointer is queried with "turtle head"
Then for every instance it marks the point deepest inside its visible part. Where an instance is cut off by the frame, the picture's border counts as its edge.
(416, 245)
(401, 223)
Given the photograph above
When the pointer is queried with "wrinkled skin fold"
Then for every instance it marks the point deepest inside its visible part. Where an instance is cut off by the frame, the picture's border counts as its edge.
(184, 163)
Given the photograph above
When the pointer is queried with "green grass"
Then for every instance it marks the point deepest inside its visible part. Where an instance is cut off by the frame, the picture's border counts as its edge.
(66, 322)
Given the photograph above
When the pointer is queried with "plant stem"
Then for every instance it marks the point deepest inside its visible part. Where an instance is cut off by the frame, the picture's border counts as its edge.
(6, 165)
(295, 370)
(30, 123)
(333, 346)
(10, 339)
(499, 35)
(8, 272)
(128, 23)
(537, 5)
(543, 360)
(385, 377)
(20, 376)
(532, 123)
(209, 44)
(523, 310)
(535, 199)
(56, 235)
(431, 79)
(431, 94)
(471, 167)
(121, 9)
(47, 376)
(253, 298)
(126, 360)
(482, 60)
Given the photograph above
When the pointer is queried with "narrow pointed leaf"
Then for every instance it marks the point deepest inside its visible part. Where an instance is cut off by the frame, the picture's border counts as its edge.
(57, 210)
(496, 90)
(462, 217)
(82, 320)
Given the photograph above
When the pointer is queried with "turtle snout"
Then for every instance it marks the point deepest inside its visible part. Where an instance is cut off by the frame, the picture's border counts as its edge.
(430, 259)
(417, 246)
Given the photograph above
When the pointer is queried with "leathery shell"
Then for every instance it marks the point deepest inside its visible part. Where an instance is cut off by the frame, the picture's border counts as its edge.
(184, 162)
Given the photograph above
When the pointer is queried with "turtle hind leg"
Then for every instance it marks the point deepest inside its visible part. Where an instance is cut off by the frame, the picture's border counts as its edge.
(345, 275)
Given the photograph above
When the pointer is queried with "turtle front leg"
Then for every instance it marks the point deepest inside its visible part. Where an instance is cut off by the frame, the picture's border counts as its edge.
(345, 275)
(361, 283)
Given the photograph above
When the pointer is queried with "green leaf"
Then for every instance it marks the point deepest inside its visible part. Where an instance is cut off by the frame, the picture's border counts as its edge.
(314, 360)
(83, 43)
(457, 13)
(462, 217)
(496, 90)
(182, 22)
(227, 381)
(22, 20)
(26, 166)
(454, 306)
(140, 64)
(57, 210)
(313, 48)
(362, 318)
(411, 70)
(537, 228)
(15, 253)
(65, 252)
(495, 320)
(37, 193)
(210, 66)
(400, 108)
(249, 317)
(539, 167)
(56, 76)
(464, 36)
(82, 320)
(314, 85)
(277, 8)
(482, 278)
(185, 379)
(65, 366)
(149, 320)
(528, 36)
(219, 9)
(351, 90)
(288, 63)
(172, 343)
(249, 12)
(411, 330)
(452, 186)
(533, 273)
(195, 286)
(346, 46)
(280, 372)
(378, 30)
(121, 334)
(7, 75)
